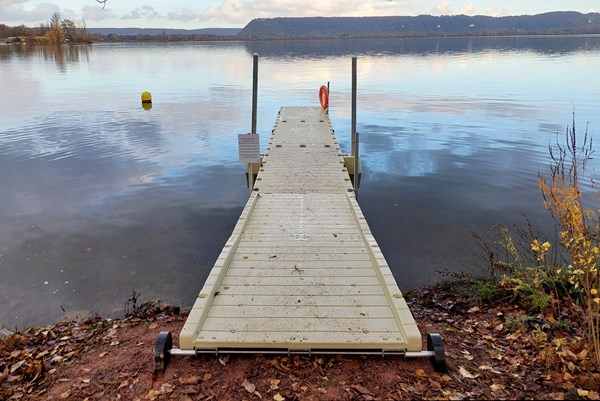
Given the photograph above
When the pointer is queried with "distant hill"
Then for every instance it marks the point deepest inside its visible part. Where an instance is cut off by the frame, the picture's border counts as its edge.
(559, 22)
(158, 31)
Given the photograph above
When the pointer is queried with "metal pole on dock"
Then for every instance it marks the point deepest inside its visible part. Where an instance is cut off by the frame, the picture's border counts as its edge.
(353, 100)
(328, 96)
(254, 91)
(354, 133)
(254, 110)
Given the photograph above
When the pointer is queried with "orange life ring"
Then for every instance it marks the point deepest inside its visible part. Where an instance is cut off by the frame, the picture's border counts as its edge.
(324, 97)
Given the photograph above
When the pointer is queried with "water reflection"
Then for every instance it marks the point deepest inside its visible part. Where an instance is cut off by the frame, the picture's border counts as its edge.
(60, 55)
(559, 45)
(87, 261)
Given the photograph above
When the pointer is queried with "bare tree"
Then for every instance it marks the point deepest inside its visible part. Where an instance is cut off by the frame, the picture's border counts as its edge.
(70, 30)
(56, 33)
(103, 2)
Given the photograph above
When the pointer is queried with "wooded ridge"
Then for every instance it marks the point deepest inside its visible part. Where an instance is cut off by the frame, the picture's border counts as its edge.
(560, 22)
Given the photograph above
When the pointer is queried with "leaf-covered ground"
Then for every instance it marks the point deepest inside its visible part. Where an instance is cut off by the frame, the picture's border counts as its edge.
(497, 351)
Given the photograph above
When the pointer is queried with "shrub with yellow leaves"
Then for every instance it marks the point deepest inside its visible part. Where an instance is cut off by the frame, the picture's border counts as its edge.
(579, 236)
(540, 250)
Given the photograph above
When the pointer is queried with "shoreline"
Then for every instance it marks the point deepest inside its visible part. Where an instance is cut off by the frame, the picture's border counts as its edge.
(492, 350)
(175, 38)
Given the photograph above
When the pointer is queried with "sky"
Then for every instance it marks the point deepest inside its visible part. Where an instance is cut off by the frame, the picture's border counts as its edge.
(194, 14)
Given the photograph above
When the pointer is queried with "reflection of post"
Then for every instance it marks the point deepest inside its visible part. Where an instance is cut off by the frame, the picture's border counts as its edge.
(254, 107)
(356, 163)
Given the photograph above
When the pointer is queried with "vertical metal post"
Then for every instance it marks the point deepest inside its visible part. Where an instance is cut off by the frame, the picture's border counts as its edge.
(329, 97)
(254, 91)
(354, 133)
(254, 111)
(356, 162)
(353, 101)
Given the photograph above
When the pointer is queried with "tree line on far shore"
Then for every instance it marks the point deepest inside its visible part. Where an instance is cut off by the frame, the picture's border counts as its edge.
(59, 30)
(55, 31)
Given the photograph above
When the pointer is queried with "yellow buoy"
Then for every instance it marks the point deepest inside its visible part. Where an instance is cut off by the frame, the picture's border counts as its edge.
(146, 97)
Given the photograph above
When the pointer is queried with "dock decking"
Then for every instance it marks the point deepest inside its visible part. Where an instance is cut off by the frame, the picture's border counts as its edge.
(301, 270)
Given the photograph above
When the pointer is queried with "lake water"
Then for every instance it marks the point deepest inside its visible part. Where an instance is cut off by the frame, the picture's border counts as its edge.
(99, 196)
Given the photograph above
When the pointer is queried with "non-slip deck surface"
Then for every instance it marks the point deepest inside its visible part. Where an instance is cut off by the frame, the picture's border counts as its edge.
(301, 269)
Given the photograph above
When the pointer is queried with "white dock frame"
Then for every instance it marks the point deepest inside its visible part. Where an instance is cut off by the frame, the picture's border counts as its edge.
(301, 270)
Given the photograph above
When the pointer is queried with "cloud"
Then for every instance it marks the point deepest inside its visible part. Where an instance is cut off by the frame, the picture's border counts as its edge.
(242, 11)
(96, 13)
(496, 12)
(68, 14)
(185, 15)
(442, 7)
(146, 12)
(14, 10)
(467, 9)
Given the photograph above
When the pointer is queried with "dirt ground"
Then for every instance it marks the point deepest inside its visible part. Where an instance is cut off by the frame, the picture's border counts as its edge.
(493, 352)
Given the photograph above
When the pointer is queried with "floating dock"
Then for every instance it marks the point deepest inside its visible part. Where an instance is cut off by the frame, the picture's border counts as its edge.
(301, 271)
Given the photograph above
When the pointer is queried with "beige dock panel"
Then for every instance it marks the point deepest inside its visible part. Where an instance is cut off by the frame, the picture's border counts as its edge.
(301, 269)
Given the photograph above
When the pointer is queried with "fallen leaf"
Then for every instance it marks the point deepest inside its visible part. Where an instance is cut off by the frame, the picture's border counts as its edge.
(251, 388)
(361, 389)
(274, 383)
(152, 395)
(207, 376)
(582, 393)
(465, 373)
(189, 380)
(593, 395)
(278, 397)
(16, 366)
(65, 395)
(153, 326)
(115, 342)
(166, 388)
(124, 383)
(421, 373)
(569, 355)
(102, 355)
(434, 385)
(497, 387)
(489, 369)
(583, 354)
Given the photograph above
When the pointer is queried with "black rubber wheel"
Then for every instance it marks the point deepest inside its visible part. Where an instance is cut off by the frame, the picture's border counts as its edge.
(162, 350)
(438, 359)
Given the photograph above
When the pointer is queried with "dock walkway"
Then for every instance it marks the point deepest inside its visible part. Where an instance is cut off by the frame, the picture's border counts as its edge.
(301, 270)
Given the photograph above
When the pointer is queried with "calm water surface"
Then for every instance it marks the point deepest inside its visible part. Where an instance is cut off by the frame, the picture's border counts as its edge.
(99, 196)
